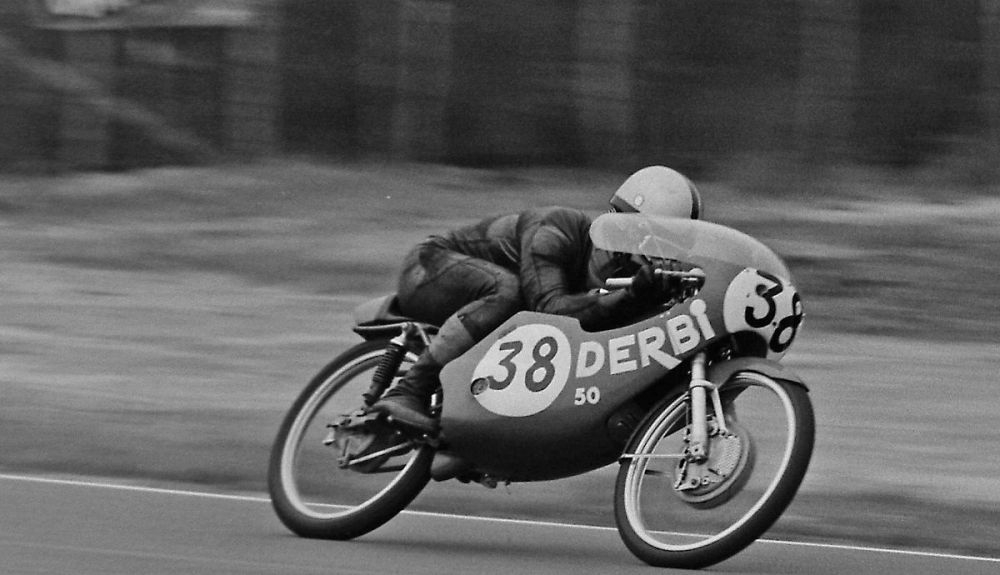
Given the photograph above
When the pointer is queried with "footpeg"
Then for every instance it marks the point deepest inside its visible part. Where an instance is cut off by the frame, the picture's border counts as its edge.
(364, 442)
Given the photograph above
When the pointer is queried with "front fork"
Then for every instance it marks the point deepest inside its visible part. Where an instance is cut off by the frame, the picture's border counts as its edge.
(700, 391)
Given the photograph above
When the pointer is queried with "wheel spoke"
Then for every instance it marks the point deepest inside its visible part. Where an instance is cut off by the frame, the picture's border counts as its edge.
(653, 456)
(394, 450)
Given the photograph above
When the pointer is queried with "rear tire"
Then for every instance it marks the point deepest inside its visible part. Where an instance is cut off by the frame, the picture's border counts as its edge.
(311, 495)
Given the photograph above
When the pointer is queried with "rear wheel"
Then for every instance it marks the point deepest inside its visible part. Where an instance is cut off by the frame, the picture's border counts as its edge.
(674, 513)
(313, 491)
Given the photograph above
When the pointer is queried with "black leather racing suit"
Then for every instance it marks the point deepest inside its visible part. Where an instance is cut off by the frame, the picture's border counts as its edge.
(474, 278)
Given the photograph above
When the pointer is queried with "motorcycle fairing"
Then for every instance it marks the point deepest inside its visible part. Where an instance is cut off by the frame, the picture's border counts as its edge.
(532, 400)
(536, 426)
(693, 241)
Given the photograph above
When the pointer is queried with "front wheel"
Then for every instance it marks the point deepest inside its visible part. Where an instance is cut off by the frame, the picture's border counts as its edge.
(312, 491)
(672, 513)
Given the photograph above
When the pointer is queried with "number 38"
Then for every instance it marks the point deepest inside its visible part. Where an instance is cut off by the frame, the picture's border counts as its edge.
(524, 371)
(539, 374)
(766, 304)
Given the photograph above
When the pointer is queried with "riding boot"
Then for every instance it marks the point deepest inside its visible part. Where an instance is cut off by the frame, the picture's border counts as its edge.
(408, 401)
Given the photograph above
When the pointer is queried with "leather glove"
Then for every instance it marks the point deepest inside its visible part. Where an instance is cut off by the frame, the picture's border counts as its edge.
(648, 285)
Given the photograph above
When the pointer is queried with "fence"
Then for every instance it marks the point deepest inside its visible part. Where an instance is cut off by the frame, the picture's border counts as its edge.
(592, 82)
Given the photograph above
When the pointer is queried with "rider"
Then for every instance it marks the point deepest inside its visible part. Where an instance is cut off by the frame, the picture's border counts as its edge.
(472, 279)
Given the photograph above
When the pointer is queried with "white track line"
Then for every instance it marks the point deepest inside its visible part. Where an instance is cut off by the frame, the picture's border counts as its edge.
(257, 499)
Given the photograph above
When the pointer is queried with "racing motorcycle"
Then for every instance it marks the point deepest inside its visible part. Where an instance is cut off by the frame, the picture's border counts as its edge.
(711, 435)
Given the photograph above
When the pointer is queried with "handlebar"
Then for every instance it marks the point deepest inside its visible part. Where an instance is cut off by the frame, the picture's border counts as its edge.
(694, 276)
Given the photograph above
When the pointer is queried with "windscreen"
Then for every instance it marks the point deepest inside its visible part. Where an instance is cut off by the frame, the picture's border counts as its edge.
(684, 240)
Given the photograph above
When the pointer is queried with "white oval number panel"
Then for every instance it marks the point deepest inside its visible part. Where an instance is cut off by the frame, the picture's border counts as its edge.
(523, 372)
(766, 304)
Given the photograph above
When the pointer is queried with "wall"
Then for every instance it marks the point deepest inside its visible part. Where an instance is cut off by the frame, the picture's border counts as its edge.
(571, 82)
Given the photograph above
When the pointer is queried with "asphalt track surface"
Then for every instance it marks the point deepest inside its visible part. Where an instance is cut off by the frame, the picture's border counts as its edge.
(87, 527)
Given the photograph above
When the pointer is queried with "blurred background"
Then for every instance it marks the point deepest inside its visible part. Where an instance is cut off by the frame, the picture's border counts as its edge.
(113, 84)
(195, 194)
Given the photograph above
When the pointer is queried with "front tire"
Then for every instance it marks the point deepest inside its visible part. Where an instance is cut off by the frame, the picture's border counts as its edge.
(313, 495)
(660, 522)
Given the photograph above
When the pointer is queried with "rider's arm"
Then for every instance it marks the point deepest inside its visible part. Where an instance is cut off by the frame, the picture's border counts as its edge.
(554, 257)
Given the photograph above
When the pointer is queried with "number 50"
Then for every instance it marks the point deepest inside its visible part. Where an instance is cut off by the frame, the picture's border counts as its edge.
(589, 395)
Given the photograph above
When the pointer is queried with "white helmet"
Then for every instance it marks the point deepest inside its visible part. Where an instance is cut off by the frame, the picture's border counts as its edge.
(660, 191)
